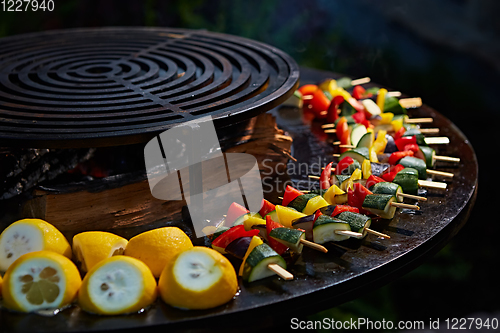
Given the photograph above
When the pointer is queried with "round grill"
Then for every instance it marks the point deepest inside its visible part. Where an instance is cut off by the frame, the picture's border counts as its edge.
(113, 86)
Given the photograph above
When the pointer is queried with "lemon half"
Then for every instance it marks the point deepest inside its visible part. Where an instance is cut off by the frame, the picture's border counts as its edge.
(30, 235)
(91, 247)
(117, 285)
(198, 278)
(40, 280)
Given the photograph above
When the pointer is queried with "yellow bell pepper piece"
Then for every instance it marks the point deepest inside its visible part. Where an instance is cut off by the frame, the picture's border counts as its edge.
(373, 155)
(397, 124)
(386, 117)
(314, 204)
(366, 167)
(328, 85)
(249, 221)
(382, 92)
(256, 241)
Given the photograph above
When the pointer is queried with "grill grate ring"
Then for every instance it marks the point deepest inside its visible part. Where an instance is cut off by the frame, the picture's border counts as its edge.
(113, 86)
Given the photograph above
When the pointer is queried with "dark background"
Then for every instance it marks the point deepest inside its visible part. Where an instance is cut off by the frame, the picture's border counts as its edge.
(445, 51)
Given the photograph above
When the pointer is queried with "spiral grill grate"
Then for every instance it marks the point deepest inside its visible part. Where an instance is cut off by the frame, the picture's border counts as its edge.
(112, 86)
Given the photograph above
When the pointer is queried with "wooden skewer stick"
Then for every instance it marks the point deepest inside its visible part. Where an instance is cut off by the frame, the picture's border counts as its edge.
(313, 177)
(394, 93)
(414, 102)
(376, 233)
(333, 130)
(446, 158)
(346, 146)
(440, 173)
(283, 273)
(314, 246)
(429, 130)
(281, 198)
(428, 184)
(438, 140)
(349, 233)
(362, 80)
(328, 126)
(419, 120)
(402, 205)
(411, 196)
(335, 143)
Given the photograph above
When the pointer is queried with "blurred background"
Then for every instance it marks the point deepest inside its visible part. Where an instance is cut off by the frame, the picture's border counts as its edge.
(445, 51)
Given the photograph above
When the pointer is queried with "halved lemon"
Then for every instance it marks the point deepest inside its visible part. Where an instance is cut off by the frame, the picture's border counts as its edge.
(158, 246)
(117, 285)
(91, 247)
(40, 280)
(30, 235)
(198, 278)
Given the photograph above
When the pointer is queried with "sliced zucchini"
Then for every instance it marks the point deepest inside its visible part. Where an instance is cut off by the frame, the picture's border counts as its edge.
(388, 188)
(357, 132)
(255, 267)
(338, 180)
(380, 204)
(429, 154)
(273, 215)
(415, 163)
(371, 107)
(289, 237)
(358, 222)
(324, 229)
(359, 154)
(408, 180)
(300, 202)
(366, 140)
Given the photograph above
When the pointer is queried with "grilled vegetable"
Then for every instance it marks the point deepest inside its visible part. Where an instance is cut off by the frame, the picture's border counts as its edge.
(324, 229)
(357, 222)
(255, 265)
(289, 237)
(380, 204)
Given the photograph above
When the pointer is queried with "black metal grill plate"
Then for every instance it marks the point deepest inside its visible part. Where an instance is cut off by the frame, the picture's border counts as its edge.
(113, 86)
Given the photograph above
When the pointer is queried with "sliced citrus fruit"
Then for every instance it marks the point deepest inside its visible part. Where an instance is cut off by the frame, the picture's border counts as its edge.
(30, 235)
(198, 278)
(117, 285)
(157, 247)
(91, 247)
(0, 286)
(40, 280)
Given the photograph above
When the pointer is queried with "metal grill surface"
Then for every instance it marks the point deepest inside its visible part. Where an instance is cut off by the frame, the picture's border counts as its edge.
(113, 86)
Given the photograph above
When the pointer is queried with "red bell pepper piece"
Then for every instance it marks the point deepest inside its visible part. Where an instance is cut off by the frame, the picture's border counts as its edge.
(317, 214)
(344, 208)
(333, 113)
(356, 196)
(372, 180)
(405, 140)
(416, 150)
(359, 117)
(324, 179)
(319, 104)
(274, 244)
(233, 233)
(290, 194)
(266, 207)
(345, 139)
(392, 172)
(397, 155)
(235, 210)
(341, 127)
(357, 105)
(359, 92)
(399, 133)
(343, 164)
